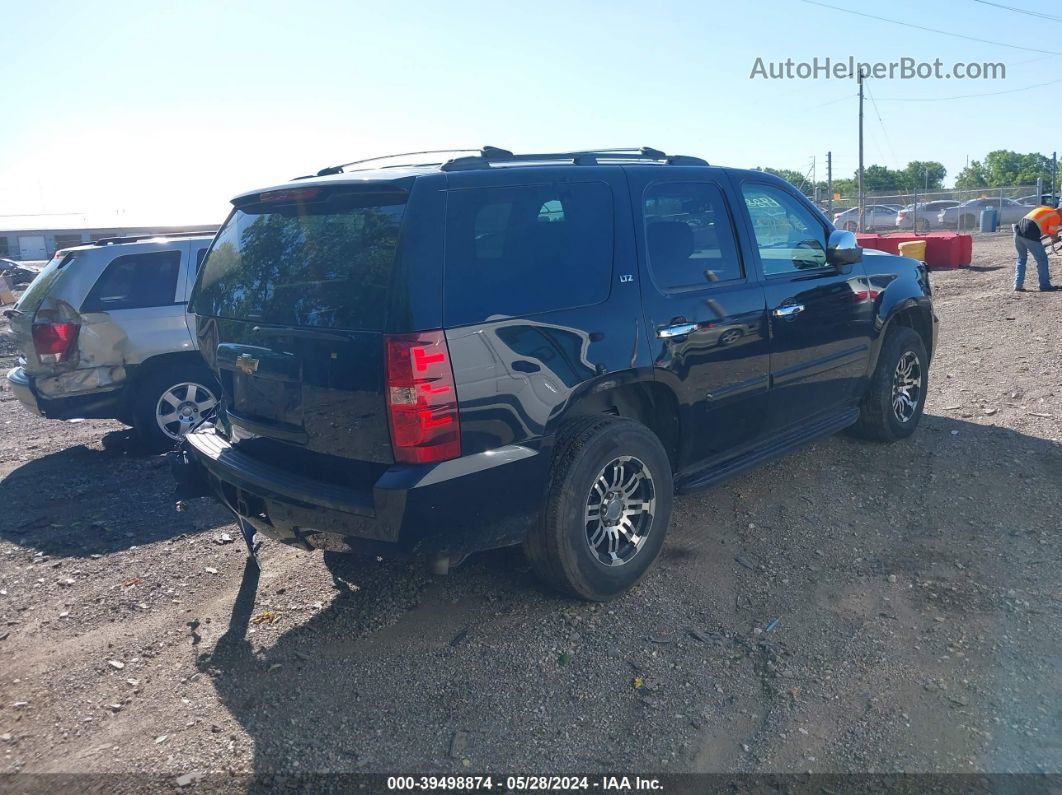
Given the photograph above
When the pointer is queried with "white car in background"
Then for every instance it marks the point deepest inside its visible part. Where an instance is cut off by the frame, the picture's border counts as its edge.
(877, 216)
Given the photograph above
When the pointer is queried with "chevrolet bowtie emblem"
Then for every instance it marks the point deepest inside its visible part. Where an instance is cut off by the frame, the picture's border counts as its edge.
(246, 363)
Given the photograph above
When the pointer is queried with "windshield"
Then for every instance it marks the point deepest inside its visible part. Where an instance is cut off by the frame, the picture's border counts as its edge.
(325, 264)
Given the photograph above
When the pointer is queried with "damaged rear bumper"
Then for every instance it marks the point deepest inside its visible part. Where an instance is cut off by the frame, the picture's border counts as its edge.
(93, 405)
(22, 388)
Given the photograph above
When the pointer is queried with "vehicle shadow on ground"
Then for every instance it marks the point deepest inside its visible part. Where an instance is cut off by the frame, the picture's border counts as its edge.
(405, 671)
(354, 663)
(81, 501)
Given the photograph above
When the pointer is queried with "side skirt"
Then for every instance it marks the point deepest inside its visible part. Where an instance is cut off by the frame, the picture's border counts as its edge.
(718, 472)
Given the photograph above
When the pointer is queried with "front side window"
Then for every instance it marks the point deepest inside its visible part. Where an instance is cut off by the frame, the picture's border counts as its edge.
(689, 237)
(522, 250)
(788, 235)
(136, 281)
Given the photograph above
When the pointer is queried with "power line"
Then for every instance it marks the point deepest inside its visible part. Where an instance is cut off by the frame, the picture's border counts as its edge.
(1039, 14)
(969, 96)
(884, 132)
(932, 30)
(832, 102)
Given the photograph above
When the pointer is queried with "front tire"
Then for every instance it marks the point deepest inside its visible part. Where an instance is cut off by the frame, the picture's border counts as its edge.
(896, 396)
(169, 401)
(606, 511)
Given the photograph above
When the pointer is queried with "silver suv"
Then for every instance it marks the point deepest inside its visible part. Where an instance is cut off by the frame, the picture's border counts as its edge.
(104, 333)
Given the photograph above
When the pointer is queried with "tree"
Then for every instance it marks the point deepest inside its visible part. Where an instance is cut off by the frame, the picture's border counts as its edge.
(1003, 168)
(880, 178)
(973, 176)
(916, 173)
(794, 178)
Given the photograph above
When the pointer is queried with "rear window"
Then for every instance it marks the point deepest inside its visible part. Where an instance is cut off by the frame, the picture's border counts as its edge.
(40, 286)
(523, 250)
(326, 263)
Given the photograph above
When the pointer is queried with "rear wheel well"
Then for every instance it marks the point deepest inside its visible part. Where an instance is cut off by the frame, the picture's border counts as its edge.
(915, 319)
(141, 371)
(650, 403)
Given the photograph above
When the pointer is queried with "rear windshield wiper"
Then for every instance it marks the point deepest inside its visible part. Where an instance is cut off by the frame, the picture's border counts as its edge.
(10, 313)
(309, 333)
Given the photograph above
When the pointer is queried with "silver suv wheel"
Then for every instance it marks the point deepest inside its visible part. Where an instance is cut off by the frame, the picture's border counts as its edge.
(181, 407)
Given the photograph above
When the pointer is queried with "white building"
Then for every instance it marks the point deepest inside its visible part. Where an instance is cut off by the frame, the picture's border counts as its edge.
(22, 238)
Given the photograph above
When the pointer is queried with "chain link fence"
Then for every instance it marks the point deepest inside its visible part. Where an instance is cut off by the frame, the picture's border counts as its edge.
(925, 211)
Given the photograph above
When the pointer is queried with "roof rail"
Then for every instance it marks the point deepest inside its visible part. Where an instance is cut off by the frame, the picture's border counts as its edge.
(324, 172)
(489, 155)
(486, 155)
(107, 241)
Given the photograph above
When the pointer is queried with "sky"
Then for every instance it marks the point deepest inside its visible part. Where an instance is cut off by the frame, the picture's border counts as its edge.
(158, 113)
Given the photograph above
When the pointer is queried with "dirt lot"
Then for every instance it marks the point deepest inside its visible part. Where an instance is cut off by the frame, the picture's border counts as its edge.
(850, 607)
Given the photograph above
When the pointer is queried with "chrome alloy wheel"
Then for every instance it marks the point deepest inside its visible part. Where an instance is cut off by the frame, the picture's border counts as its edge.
(619, 510)
(906, 386)
(181, 407)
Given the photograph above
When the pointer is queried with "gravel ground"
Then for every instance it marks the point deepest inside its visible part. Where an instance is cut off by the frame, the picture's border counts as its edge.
(850, 607)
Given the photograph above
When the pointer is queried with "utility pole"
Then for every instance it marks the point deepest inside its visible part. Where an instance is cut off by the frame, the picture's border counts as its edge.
(829, 182)
(862, 198)
(1054, 173)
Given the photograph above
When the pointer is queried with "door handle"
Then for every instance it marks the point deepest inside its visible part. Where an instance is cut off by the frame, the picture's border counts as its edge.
(788, 310)
(678, 330)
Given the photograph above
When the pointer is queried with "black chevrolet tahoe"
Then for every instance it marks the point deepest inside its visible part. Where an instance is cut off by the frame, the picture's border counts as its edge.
(542, 349)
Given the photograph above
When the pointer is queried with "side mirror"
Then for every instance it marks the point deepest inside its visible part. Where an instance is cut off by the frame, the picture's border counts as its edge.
(843, 248)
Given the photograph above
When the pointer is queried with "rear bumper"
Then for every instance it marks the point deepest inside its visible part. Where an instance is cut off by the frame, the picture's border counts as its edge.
(472, 503)
(94, 406)
(22, 388)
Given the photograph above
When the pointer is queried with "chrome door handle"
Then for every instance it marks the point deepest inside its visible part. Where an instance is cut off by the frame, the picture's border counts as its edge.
(678, 330)
(788, 310)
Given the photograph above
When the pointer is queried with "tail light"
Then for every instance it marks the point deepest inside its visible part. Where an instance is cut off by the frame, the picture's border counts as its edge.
(55, 342)
(422, 398)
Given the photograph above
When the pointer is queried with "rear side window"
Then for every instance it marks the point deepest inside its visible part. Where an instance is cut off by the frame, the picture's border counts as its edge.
(689, 236)
(324, 263)
(522, 250)
(136, 281)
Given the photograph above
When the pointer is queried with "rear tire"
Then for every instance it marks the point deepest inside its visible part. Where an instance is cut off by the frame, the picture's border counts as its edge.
(191, 390)
(896, 395)
(606, 510)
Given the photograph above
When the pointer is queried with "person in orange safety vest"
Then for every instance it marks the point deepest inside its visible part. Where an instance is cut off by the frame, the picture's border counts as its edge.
(1028, 232)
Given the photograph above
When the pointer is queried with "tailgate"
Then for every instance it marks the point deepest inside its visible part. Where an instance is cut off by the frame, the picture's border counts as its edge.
(291, 304)
(321, 391)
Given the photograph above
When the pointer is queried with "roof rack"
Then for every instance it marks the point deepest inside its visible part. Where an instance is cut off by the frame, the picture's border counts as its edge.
(489, 155)
(107, 241)
(324, 172)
